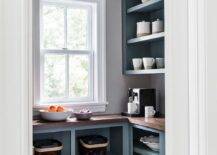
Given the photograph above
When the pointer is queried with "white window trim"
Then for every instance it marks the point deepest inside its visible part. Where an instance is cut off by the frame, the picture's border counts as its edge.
(100, 102)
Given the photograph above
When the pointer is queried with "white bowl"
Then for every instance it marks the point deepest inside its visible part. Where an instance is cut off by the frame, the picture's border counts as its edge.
(55, 116)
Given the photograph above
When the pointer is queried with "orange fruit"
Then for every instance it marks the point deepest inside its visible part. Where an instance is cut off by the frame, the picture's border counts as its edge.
(52, 108)
(60, 109)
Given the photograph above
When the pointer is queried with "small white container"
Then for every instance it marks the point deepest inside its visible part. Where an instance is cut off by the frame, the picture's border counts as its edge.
(157, 26)
(132, 108)
(143, 28)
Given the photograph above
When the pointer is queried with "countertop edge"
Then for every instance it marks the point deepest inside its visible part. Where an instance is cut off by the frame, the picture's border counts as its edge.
(152, 123)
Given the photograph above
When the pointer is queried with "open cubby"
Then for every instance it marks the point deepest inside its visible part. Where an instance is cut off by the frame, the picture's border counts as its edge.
(64, 137)
(138, 147)
(114, 135)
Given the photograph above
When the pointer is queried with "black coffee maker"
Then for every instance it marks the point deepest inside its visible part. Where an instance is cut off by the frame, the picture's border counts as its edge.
(142, 97)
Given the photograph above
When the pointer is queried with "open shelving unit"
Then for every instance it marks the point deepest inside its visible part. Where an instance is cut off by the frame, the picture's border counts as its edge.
(116, 133)
(153, 46)
(146, 46)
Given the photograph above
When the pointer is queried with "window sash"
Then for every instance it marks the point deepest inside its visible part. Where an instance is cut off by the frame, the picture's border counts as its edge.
(69, 5)
(67, 52)
(97, 52)
(67, 99)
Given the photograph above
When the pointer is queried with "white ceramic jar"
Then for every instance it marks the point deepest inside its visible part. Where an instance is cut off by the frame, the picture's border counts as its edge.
(143, 28)
(157, 26)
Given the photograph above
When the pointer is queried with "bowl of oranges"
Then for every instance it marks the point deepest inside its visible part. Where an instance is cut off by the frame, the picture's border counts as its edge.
(55, 113)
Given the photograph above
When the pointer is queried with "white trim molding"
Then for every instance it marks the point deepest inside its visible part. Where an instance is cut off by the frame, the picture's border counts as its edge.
(15, 72)
(197, 77)
(186, 60)
(26, 77)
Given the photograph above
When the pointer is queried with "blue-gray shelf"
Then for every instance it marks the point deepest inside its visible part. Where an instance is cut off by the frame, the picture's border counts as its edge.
(147, 71)
(148, 38)
(148, 6)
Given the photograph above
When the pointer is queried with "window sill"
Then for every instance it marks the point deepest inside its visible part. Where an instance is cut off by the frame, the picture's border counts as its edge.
(93, 106)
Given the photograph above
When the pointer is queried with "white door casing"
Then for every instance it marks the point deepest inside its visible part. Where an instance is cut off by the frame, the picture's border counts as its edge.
(186, 121)
(186, 77)
(197, 77)
(15, 73)
(176, 77)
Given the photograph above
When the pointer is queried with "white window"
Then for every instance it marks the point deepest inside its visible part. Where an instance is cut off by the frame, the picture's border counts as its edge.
(70, 52)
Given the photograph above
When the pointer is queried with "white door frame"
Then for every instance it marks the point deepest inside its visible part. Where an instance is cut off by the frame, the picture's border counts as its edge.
(16, 77)
(27, 77)
(186, 121)
(197, 77)
(186, 64)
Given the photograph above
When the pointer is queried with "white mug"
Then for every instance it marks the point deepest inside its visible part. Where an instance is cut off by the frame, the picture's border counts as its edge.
(159, 62)
(149, 112)
(148, 63)
(137, 63)
(143, 28)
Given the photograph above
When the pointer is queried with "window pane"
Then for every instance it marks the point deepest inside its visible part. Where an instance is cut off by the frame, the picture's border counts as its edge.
(78, 76)
(53, 27)
(77, 23)
(54, 76)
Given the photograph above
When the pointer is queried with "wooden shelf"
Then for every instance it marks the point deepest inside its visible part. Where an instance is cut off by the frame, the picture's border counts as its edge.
(148, 38)
(150, 5)
(148, 71)
(143, 150)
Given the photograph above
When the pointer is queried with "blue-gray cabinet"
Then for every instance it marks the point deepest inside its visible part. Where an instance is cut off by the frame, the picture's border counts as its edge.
(123, 137)
(152, 45)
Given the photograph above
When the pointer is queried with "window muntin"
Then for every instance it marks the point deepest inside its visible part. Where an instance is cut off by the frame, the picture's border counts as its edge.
(66, 51)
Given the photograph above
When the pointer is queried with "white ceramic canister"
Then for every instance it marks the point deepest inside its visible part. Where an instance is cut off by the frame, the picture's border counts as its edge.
(157, 26)
(143, 28)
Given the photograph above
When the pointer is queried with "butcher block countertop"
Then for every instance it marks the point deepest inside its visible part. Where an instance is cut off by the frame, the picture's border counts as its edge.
(153, 123)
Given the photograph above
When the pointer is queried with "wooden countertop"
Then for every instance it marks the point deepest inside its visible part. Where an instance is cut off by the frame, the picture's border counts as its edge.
(154, 123)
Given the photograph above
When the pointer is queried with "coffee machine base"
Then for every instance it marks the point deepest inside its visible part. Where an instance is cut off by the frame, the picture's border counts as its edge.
(130, 115)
